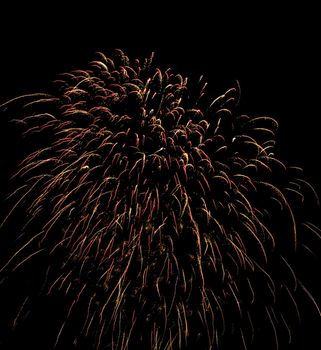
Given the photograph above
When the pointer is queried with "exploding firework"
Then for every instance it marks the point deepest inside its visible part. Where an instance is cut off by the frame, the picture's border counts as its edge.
(157, 216)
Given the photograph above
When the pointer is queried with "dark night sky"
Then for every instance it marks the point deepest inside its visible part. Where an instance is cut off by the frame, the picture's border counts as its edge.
(274, 55)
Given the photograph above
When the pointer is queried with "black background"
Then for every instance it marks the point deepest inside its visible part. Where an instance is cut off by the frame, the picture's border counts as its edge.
(273, 52)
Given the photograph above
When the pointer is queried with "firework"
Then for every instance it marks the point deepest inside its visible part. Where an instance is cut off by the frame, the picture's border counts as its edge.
(157, 216)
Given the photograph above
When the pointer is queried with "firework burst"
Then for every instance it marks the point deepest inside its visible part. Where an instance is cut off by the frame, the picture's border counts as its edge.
(161, 216)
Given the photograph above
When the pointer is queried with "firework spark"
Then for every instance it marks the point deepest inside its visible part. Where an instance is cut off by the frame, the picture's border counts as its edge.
(162, 212)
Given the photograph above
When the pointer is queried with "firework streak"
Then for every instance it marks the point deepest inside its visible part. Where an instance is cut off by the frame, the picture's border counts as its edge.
(165, 216)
